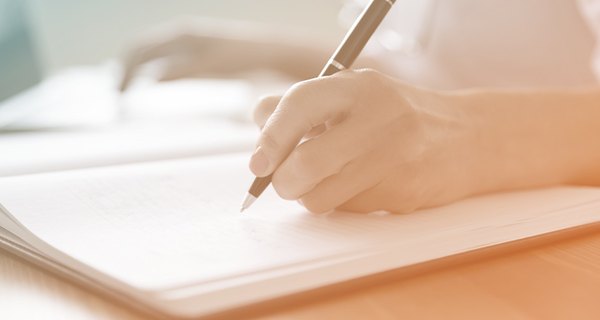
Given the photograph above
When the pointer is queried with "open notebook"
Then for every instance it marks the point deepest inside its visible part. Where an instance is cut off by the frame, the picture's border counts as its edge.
(168, 236)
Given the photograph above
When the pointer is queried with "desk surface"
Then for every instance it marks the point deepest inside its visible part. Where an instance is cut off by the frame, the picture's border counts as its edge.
(560, 280)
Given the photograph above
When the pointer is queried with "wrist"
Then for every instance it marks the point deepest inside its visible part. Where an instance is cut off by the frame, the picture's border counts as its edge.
(527, 139)
(487, 151)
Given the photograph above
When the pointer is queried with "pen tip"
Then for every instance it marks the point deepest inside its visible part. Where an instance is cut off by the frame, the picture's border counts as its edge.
(248, 200)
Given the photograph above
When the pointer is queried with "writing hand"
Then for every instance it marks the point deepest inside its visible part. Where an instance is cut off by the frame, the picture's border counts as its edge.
(377, 144)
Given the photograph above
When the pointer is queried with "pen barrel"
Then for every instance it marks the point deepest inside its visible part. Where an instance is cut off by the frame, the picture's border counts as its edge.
(259, 185)
(358, 36)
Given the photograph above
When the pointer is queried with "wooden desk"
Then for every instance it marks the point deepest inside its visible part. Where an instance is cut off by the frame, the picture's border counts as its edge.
(560, 280)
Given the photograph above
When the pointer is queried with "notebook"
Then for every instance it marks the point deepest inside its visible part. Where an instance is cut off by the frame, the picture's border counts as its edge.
(168, 237)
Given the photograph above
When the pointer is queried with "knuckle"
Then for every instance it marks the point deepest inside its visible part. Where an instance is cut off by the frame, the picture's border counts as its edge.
(299, 95)
(300, 88)
(373, 78)
(357, 82)
(369, 74)
(302, 93)
(270, 101)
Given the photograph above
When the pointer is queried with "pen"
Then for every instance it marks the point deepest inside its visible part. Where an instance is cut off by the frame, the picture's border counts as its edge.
(355, 40)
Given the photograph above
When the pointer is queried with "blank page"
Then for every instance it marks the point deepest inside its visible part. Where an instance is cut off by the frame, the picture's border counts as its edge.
(127, 142)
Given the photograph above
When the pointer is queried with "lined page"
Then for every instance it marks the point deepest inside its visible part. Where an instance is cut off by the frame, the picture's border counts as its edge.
(174, 223)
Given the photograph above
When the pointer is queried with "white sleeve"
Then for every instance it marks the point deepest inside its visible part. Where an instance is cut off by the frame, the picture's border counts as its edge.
(590, 10)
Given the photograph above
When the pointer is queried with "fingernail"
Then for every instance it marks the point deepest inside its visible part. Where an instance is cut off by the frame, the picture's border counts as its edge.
(259, 163)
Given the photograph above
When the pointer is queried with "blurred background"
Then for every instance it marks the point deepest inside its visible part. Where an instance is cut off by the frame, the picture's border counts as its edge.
(75, 32)
(60, 107)
(63, 103)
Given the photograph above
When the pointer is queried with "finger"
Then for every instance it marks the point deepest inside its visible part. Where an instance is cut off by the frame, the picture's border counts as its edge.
(179, 66)
(383, 198)
(337, 189)
(403, 194)
(306, 105)
(370, 200)
(264, 108)
(318, 158)
(145, 53)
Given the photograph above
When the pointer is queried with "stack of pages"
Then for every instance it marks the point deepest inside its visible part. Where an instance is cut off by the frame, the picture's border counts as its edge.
(168, 236)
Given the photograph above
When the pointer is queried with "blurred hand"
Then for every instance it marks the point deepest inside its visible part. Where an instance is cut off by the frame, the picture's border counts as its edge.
(375, 144)
(193, 47)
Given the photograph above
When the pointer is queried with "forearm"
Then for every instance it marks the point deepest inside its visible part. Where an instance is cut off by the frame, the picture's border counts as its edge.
(531, 139)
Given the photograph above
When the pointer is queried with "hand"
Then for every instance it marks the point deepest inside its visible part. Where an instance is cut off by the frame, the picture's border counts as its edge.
(374, 144)
(194, 47)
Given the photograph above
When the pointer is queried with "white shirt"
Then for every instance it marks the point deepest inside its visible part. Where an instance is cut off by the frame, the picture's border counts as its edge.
(451, 44)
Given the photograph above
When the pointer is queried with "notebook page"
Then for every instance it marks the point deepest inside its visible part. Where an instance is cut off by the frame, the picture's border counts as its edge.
(155, 225)
(127, 142)
(169, 224)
